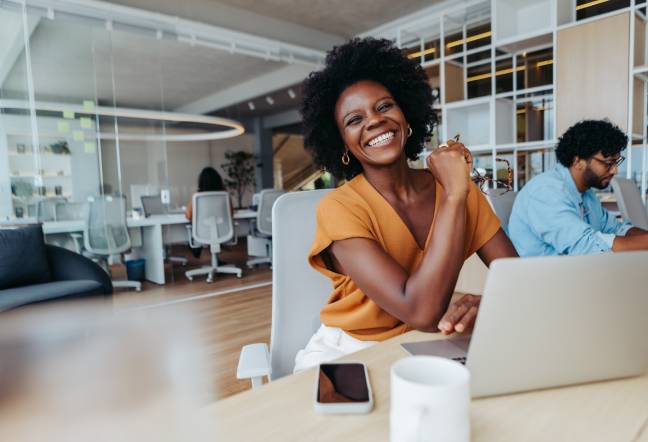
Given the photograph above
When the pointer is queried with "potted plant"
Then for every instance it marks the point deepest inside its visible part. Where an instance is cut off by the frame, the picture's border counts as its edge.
(240, 168)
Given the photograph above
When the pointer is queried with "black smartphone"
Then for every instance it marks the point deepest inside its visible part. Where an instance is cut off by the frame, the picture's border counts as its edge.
(343, 387)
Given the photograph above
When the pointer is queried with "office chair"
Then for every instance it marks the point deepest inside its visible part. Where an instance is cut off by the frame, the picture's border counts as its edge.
(211, 224)
(298, 291)
(502, 201)
(259, 243)
(106, 233)
(66, 211)
(630, 203)
(152, 205)
(46, 208)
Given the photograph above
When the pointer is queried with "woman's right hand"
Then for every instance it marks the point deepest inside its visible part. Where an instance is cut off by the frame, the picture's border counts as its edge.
(451, 165)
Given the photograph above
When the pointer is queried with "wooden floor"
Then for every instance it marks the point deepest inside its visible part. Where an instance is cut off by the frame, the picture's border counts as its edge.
(226, 321)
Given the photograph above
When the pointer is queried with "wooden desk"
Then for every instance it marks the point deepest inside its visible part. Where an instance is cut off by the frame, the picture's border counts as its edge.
(245, 214)
(283, 410)
(147, 237)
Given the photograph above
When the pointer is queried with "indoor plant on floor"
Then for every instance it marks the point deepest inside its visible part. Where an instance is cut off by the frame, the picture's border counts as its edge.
(240, 168)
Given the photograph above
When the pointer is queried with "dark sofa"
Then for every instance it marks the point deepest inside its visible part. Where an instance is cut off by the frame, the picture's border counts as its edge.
(34, 272)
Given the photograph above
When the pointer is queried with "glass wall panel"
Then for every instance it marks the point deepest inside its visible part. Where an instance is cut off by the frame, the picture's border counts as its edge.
(20, 185)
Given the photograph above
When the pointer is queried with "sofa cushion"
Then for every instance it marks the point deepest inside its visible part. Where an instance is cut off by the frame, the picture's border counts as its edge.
(23, 260)
(15, 297)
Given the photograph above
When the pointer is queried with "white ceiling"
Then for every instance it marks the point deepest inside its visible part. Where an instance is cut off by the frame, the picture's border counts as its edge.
(340, 17)
(69, 61)
(72, 61)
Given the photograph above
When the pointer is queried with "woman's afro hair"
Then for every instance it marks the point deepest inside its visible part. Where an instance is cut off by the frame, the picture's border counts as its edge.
(364, 59)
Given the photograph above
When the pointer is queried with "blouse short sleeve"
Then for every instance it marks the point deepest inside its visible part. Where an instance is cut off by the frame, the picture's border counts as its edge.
(337, 220)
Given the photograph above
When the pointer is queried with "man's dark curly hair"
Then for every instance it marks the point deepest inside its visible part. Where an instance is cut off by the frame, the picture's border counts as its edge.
(364, 59)
(587, 137)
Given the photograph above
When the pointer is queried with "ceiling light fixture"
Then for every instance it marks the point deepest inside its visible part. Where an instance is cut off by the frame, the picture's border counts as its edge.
(251, 105)
(506, 71)
(590, 4)
(469, 39)
(419, 53)
(291, 94)
(235, 128)
(270, 100)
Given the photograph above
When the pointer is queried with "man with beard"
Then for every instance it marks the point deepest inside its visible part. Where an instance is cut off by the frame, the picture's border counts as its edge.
(558, 213)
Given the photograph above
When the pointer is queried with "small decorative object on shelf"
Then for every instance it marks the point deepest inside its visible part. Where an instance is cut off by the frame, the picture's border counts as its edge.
(21, 148)
(58, 190)
(19, 212)
(22, 189)
(60, 147)
(42, 190)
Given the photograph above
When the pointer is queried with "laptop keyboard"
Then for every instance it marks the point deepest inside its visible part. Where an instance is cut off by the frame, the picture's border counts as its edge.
(461, 360)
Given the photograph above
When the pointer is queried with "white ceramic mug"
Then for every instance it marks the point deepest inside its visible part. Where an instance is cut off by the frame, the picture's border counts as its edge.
(430, 400)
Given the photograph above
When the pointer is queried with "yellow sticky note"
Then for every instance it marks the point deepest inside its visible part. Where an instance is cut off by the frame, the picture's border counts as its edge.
(88, 105)
(63, 127)
(86, 123)
(78, 135)
(68, 114)
(89, 147)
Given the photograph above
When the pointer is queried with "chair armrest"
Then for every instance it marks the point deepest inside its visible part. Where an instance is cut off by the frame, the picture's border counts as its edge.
(254, 364)
(68, 266)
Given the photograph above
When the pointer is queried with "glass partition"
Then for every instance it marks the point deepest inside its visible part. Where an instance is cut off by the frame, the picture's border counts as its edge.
(20, 185)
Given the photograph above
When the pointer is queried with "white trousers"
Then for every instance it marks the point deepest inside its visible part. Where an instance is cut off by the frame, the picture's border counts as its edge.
(326, 344)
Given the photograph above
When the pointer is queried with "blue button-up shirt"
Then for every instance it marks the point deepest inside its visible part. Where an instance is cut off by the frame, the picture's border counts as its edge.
(551, 217)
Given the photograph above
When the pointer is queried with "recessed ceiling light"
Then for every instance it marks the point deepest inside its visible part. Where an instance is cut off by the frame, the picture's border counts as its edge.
(291, 94)
(251, 105)
(270, 100)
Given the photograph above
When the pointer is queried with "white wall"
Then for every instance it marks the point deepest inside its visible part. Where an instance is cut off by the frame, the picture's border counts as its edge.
(173, 166)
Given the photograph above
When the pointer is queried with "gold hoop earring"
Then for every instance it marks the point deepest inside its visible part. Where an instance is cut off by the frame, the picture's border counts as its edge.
(409, 131)
(345, 158)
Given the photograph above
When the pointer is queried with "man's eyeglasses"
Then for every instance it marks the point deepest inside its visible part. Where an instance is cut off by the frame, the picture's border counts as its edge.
(610, 164)
(483, 182)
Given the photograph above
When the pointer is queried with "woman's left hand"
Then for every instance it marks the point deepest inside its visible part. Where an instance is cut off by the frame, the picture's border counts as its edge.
(461, 315)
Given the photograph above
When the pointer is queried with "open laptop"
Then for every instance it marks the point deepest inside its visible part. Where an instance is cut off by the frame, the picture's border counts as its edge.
(152, 205)
(552, 321)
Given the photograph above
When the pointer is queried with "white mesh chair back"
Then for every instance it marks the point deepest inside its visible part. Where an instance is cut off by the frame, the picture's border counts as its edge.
(70, 211)
(502, 203)
(212, 218)
(298, 291)
(46, 209)
(105, 230)
(152, 205)
(256, 199)
(630, 203)
(264, 214)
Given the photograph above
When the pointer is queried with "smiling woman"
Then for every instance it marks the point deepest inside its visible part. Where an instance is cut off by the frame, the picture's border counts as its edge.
(392, 239)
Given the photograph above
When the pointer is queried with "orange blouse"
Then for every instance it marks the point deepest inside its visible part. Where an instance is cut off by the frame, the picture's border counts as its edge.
(357, 210)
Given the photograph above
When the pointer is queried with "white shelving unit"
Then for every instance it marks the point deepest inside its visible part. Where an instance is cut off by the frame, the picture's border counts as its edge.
(512, 30)
(522, 19)
(32, 173)
(470, 119)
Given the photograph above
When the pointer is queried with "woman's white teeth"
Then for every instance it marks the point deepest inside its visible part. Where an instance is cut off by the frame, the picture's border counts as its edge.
(381, 139)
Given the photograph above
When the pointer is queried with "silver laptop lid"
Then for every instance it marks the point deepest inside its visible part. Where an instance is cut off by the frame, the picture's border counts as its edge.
(552, 321)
